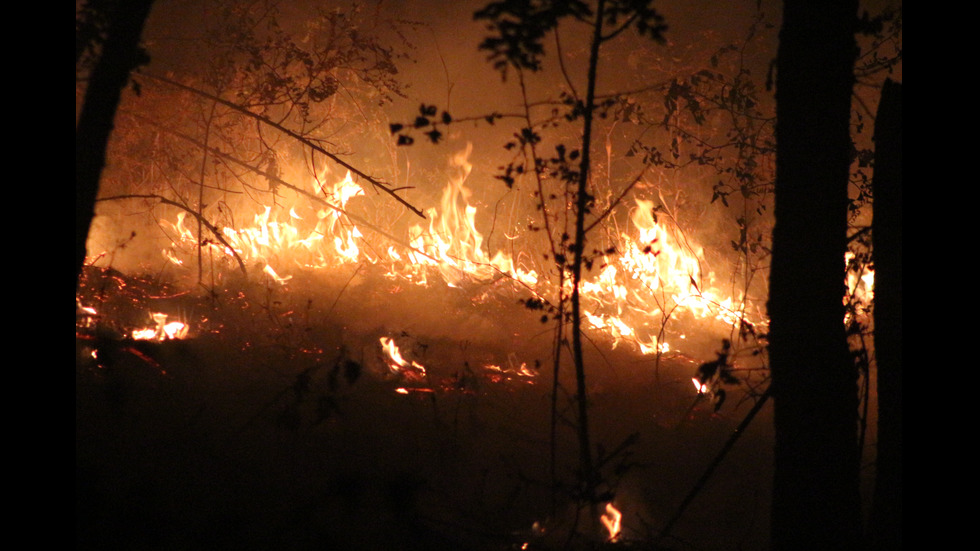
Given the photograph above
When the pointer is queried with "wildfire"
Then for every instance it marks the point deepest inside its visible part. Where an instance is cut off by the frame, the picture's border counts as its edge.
(280, 234)
(612, 520)
(163, 330)
(397, 363)
(452, 245)
(651, 276)
(513, 369)
(860, 280)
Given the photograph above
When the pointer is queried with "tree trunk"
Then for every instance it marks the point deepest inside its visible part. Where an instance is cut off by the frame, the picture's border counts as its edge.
(885, 527)
(816, 500)
(120, 55)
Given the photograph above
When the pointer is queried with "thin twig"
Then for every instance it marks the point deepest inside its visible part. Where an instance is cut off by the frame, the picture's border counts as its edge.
(200, 194)
(279, 181)
(344, 288)
(739, 430)
(616, 202)
(200, 219)
(305, 141)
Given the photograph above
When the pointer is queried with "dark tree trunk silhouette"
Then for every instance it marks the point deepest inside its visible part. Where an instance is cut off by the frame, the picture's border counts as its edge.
(589, 476)
(816, 503)
(885, 526)
(120, 55)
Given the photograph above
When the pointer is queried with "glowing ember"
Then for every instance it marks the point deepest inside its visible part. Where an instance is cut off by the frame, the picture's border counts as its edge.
(521, 370)
(85, 316)
(701, 387)
(612, 519)
(406, 390)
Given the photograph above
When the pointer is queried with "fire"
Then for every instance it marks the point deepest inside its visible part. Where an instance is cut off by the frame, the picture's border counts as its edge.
(275, 277)
(278, 234)
(860, 280)
(453, 245)
(651, 275)
(612, 520)
(397, 363)
(163, 330)
(513, 369)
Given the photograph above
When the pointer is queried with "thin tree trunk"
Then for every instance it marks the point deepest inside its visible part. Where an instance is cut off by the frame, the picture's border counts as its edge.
(200, 195)
(885, 527)
(816, 503)
(120, 55)
(581, 209)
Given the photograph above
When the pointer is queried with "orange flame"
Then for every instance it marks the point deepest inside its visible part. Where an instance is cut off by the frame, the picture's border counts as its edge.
(652, 276)
(163, 330)
(396, 363)
(612, 520)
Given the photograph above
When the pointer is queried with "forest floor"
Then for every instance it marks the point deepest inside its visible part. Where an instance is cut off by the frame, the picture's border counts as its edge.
(278, 424)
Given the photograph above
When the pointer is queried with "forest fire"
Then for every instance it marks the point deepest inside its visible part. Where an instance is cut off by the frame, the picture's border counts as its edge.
(612, 521)
(164, 330)
(646, 277)
(397, 363)
(330, 297)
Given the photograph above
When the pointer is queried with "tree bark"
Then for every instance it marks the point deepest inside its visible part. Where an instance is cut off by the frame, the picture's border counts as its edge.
(120, 55)
(816, 500)
(885, 526)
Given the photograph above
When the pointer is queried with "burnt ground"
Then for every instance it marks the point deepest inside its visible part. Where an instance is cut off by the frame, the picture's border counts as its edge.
(276, 425)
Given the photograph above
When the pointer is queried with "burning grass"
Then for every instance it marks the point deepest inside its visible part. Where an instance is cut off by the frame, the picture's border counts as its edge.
(348, 374)
(345, 377)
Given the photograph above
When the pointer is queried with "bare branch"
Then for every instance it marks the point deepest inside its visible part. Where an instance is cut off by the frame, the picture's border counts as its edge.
(200, 219)
(291, 134)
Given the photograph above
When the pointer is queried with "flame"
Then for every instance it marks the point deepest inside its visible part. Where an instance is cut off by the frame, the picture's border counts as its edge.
(452, 244)
(520, 370)
(860, 280)
(275, 277)
(652, 278)
(652, 275)
(278, 234)
(612, 520)
(163, 330)
(397, 363)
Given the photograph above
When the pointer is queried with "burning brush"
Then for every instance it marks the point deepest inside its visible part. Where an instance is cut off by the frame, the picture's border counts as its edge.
(711, 375)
